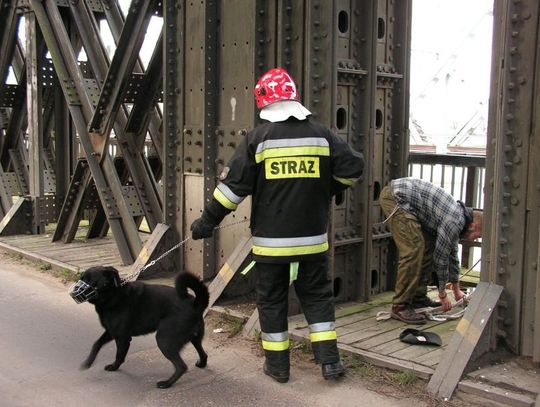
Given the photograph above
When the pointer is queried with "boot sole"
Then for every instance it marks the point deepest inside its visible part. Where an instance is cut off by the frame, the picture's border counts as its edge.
(279, 379)
(408, 321)
(334, 376)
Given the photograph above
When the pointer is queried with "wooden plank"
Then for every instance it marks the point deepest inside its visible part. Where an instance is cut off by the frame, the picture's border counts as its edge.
(55, 264)
(252, 325)
(498, 394)
(468, 332)
(423, 372)
(432, 358)
(229, 269)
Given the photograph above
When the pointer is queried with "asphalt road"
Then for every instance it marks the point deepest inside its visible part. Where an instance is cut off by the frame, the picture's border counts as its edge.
(45, 336)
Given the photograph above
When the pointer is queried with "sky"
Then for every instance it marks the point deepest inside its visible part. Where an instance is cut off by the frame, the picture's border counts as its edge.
(450, 69)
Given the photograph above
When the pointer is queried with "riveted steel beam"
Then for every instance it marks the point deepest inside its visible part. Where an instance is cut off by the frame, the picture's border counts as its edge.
(511, 222)
(104, 175)
(130, 147)
(174, 94)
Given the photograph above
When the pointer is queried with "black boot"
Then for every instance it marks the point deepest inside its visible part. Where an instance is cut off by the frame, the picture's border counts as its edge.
(277, 365)
(333, 370)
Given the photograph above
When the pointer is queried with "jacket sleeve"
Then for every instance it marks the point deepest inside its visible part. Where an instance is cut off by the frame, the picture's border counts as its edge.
(347, 164)
(445, 254)
(235, 182)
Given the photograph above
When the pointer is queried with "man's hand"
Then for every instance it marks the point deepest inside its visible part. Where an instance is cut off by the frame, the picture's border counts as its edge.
(458, 294)
(201, 228)
(445, 301)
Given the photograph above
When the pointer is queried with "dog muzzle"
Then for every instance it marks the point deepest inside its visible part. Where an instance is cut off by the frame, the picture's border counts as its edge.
(81, 292)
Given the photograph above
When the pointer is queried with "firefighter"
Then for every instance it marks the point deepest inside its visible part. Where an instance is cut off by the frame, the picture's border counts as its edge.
(291, 166)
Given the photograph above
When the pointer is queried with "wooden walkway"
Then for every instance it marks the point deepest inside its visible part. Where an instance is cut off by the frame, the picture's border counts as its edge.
(359, 333)
(75, 257)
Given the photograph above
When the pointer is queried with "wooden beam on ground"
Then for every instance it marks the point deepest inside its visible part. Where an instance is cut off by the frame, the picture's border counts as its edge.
(229, 269)
(152, 249)
(252, 325)
(468, 333)
(497, 394)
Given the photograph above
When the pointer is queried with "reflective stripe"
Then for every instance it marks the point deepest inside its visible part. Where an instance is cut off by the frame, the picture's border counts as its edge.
(275, 336)
(248, 268)
(323, 336)
(290, 241)
(292, 246)
(322, 331)
(293, 272)
(322, 326)
(346, 181)
(290, 251)
(275, 346)
(226, 197)
(292, 147)
(275, 341)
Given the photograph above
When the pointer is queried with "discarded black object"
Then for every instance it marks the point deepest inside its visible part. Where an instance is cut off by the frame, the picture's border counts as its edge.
(416, 337)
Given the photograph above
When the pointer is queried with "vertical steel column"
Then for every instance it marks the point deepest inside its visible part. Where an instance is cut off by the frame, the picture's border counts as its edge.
(35, 119)
(173, 119)
(209, 111)
(511, 222)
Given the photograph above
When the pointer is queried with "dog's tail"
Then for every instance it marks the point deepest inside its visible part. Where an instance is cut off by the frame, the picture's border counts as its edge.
(187, 280)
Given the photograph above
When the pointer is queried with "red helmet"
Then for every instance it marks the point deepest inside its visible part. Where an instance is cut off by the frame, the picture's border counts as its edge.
(273, 86)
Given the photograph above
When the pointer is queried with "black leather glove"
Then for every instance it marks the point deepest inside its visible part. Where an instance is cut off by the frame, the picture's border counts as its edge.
(202, 228)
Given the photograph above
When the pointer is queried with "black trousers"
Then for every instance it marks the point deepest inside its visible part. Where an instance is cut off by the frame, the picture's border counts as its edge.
(314, 291)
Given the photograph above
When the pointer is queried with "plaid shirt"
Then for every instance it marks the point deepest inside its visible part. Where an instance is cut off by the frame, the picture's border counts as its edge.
(440, 215)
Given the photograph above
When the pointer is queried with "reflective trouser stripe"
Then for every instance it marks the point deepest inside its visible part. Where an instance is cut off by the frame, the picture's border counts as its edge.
(275, 341)
(322, 331)
(293, 272)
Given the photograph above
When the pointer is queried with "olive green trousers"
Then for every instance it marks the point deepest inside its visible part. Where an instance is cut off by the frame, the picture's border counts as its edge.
(415, 248)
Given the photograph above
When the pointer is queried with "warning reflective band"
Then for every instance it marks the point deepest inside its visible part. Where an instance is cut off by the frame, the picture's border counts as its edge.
(322, 331)
(292, 147)
(226, 197)
(346, 181)
(275, 341)
(266, 246)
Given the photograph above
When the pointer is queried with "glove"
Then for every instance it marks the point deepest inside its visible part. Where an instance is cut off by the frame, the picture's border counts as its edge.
(201, 228)
(338, 198)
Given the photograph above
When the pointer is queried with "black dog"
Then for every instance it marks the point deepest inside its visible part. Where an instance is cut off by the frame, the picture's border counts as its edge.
(136, 308)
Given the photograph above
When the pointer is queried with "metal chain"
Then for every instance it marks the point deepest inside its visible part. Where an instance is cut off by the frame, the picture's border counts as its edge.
(135, 275)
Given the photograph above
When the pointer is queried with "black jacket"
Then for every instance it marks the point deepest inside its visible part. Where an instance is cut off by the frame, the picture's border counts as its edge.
(291, 169)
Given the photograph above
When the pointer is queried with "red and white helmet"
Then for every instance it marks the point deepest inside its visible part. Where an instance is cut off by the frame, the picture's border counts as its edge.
(273, 86)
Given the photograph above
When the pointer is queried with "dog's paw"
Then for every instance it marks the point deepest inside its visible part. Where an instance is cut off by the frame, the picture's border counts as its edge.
(85, 365)
(112, 367)
(201, 363)
(164, 384)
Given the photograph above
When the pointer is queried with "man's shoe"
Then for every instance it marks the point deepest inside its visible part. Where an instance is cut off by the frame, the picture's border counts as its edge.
(407, 314)
(333, 370)
(280, 377)
(424, 302)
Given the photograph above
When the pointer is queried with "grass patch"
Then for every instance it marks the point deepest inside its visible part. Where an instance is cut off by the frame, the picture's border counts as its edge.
(67, 275)
(405, 378)
(44, 266)
(233, 325)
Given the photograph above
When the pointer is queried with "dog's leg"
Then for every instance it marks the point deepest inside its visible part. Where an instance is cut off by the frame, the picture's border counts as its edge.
(196, 340)
(122, 347)
(103, 339)
(171, 351)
